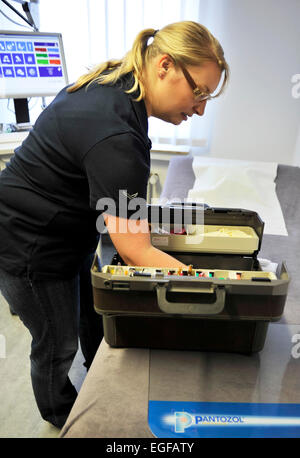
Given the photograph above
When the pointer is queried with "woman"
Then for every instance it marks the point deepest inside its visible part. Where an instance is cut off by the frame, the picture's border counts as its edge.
(89, 144)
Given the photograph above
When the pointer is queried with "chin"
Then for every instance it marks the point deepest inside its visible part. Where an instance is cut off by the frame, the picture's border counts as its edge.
(175, 121)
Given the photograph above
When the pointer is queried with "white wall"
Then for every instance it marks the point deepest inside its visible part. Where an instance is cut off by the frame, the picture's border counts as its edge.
(258, 117)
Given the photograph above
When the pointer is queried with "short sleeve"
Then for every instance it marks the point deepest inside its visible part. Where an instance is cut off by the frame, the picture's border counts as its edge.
(117, 169)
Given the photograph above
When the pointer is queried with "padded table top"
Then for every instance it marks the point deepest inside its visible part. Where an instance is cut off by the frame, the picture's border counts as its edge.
(113, 401)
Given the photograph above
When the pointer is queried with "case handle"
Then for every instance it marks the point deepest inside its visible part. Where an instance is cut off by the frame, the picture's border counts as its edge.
(180, 308)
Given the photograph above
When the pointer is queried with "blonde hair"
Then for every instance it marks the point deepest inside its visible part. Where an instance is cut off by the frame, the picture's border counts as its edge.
(186, 42)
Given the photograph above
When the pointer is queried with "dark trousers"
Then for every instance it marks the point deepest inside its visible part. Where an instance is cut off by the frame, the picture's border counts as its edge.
(56, 312)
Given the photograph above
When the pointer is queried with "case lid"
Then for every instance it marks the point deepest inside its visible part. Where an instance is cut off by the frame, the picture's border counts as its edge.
(202, 216)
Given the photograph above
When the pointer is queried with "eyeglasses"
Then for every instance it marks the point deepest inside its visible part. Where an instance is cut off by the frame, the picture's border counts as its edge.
(200, 95)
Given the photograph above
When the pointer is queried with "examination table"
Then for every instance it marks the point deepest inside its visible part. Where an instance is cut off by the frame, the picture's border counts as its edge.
(115, 398)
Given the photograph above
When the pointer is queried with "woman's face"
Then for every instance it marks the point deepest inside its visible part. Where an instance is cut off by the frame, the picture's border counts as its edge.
(171, 97)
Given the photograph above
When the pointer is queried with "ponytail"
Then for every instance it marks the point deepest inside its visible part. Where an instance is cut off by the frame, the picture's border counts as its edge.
(111, 71)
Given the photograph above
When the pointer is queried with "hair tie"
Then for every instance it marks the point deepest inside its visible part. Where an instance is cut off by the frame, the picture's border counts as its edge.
(150, 39)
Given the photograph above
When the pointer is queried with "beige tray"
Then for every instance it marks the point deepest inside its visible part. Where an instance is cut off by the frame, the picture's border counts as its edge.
(208, 238)
(119, 272)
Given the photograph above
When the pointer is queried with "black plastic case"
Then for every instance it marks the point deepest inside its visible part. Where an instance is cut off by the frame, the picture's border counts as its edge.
(189, 312)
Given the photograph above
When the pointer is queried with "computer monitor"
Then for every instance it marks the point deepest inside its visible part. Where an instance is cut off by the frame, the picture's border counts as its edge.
(32, 64)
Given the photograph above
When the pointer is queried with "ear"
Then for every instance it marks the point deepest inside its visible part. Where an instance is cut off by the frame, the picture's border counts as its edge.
(164, 64)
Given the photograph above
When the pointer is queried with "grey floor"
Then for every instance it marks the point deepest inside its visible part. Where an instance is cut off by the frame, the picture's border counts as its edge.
(19, 415)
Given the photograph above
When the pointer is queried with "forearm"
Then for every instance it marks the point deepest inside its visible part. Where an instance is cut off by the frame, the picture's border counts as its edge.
(134, 246)
(152, 257)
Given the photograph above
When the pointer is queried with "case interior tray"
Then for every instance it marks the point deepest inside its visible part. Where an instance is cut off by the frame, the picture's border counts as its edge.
(205, 238)
(119, 272)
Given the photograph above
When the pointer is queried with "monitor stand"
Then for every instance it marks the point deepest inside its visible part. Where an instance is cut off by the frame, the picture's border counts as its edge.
(22, 111)
(22, 115)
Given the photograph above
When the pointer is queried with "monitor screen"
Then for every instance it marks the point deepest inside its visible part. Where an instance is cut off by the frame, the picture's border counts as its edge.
(32, 64)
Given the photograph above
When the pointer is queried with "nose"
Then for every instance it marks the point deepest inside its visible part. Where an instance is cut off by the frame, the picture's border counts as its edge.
(200, 108)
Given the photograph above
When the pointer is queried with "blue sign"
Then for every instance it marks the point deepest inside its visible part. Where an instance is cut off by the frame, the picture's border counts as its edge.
(11, 46)
(18, 59)
(29, 46)
(171, 419)
(29, 59)
(21, 46)
(31, 72)
(20, 72)
(50, 71)
(6, 58)
(8, 72)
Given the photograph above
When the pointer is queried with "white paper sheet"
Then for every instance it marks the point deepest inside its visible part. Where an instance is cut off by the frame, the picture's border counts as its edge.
(239, 184)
